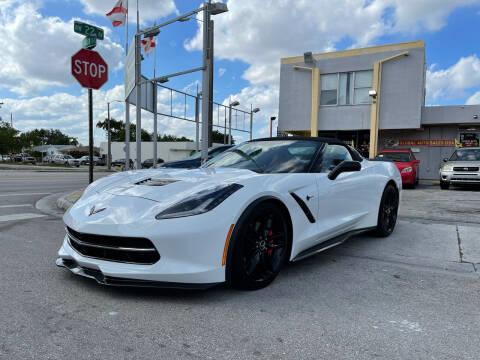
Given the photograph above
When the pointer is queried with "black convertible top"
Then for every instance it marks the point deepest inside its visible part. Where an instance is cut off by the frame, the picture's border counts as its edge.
(307, 138)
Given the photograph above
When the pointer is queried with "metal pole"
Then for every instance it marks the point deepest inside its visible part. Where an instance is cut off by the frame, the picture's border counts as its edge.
(109, 140)
(251, 121)
(206, 100)
(225, 128)
(155, 129)
(138, 107)
(90, 136)
(127, 135)
(210, 95)
(197, 122)
(230, 123)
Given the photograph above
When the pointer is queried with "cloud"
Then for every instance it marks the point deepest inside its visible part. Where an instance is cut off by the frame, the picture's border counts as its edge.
(221, 72)
(36, 50)
(149, 9)
(452, 82)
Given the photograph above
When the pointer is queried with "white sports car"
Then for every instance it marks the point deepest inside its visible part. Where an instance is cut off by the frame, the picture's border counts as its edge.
(238, 219)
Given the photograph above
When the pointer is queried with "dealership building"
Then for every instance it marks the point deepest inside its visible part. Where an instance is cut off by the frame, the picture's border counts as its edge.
(373, 98)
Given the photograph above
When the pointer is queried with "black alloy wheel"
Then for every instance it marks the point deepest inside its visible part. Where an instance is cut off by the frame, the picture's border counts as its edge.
(387, 214)
(261, 247)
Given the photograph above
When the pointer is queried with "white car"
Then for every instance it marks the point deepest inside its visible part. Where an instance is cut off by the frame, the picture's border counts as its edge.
(67, 160)
(238, 219)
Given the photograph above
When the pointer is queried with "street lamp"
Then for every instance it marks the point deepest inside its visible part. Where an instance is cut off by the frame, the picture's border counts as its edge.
(109, 140)
(272, 119)
(234, 103)
(251, 119)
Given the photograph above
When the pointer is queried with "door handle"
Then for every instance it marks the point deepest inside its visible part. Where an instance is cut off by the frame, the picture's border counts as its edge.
(308, 197)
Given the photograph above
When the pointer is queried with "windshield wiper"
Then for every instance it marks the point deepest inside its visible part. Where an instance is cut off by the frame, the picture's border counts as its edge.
(245, 155)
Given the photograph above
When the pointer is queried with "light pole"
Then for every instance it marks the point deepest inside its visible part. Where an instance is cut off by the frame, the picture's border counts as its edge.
(251, 119)
(109, 135)
(272, 119)
(231, 104)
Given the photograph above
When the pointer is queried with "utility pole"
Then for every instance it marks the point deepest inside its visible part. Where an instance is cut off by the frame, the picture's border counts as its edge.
(206, 83)
(155, 130)
(138, 107)
(109, 140)
(210, 95)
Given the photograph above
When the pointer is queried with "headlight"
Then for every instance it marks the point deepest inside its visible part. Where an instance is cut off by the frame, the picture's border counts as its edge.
(200, 202)
(407, 170)
(447, 167)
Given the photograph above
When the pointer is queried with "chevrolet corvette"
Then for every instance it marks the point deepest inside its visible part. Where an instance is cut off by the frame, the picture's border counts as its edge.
(237, 220)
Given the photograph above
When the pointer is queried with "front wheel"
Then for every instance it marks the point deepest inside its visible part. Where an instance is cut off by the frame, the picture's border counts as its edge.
(387, 214)
(261, 247)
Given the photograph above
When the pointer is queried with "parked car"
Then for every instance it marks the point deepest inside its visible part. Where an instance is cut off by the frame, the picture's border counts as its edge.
(462, 168)
(147, 164)
(85, 160)
(195, 160)
(406, 163)
(67, 160)
(238, 220)
(120, 162)
(5, 158)
(19, 157)
(29, 160)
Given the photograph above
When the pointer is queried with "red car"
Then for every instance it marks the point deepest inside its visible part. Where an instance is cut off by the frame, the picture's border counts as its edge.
(406, 164)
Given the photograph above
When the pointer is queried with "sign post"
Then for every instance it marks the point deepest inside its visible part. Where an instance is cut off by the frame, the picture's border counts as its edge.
(91, 71)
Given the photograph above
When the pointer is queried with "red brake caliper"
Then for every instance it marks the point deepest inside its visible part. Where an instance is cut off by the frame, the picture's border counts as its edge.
(269, 251)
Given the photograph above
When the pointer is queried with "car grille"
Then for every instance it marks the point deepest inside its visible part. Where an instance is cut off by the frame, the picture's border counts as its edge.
(465, 168)
(114, 248)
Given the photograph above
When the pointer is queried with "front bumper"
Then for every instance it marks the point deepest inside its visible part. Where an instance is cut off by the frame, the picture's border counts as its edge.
(455, 177)
(408, 178)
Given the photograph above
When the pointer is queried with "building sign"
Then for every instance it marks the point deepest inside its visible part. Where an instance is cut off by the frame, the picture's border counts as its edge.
(427, 142)
(469, 140)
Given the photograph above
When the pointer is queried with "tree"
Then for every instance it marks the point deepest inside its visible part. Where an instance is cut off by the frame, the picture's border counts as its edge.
(8, 139)
(117, 130)
(167, 138)
(45, 136)
(218, 137)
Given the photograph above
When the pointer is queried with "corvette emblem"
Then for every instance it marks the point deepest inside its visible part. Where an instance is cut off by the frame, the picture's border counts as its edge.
(95, 211)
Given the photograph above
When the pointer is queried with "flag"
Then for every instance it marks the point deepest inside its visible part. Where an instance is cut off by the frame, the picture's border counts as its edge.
(118, 14)
(148, 44)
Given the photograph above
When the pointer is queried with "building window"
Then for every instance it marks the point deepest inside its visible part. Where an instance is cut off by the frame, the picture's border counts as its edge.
(363, 83)
(349, 88)
(345, 85)
(328, 95)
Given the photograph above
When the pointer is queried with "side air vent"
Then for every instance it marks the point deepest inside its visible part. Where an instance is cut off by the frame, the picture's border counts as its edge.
(304, 207)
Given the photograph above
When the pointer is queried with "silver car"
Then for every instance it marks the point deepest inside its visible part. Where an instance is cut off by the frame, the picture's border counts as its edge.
(462, 168)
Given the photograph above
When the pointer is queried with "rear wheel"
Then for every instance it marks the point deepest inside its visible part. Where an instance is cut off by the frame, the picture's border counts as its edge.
(387, 214)
(261, 247)
(444, 185)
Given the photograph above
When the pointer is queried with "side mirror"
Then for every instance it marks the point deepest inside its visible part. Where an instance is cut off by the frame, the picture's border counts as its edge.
(416, 161)
(344, 166)
(445, 159)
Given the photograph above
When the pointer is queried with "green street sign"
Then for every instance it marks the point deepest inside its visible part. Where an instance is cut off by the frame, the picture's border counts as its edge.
(89, 42)
(88, 30)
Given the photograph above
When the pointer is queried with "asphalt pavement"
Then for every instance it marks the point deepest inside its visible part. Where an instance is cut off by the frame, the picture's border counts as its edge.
(414, 295)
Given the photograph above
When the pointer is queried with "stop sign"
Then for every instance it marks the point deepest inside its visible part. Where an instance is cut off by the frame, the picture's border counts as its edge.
(90, 70)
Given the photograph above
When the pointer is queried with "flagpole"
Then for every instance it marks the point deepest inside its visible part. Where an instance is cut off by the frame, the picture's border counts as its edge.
(155, 129)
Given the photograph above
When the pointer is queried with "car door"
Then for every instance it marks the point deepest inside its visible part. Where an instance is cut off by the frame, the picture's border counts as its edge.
(343, 202)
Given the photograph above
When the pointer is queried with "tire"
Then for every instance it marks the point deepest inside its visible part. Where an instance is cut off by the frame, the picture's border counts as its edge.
(444, 185)
(387, 212)
(261, 247)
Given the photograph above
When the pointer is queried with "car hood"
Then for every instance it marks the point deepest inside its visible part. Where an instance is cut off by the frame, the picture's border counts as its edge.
(166, 185)
(463, 163)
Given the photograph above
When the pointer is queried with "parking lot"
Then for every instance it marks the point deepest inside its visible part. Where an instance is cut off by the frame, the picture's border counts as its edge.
(412, 295)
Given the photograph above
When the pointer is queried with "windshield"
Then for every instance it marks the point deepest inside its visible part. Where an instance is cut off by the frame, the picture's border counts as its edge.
(276, 156)
(395, 156)
(466, 155)
(68, 157)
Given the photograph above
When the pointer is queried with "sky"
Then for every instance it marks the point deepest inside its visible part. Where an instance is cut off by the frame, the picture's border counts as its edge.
(37, 42)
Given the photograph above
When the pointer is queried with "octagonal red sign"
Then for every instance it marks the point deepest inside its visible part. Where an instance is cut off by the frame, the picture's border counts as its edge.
(90, 70)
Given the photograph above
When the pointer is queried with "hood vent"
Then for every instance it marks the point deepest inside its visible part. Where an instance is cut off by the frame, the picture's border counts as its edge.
(155, 182)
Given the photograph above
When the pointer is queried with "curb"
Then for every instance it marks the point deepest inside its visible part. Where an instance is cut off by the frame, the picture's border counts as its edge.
(65, 202)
